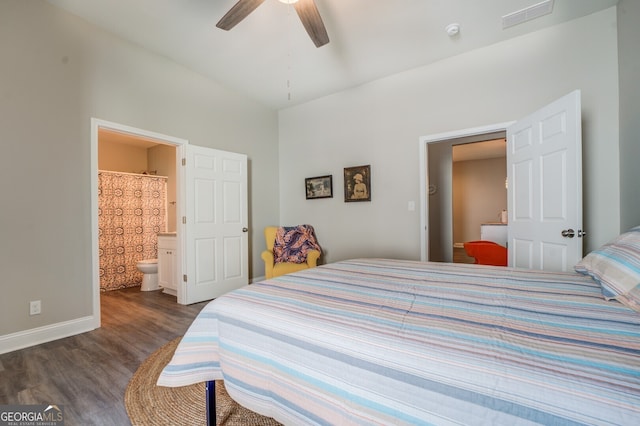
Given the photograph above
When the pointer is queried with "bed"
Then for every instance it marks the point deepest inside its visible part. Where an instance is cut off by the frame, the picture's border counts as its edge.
(381, 341)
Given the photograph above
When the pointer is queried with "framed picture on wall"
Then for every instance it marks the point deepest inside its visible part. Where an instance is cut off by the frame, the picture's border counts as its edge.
(319, 187)
(357, 183)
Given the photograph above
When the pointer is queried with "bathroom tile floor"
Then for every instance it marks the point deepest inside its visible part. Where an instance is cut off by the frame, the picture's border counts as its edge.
(88, 373)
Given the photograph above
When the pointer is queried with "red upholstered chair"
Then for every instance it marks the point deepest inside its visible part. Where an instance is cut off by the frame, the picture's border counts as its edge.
(487, 252)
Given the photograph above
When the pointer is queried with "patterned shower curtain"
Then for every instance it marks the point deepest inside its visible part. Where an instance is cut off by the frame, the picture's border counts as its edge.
(132, 209)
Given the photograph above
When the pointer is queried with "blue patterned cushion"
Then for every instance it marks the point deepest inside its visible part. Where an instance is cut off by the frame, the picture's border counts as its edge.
(616, 266)
(293, 243)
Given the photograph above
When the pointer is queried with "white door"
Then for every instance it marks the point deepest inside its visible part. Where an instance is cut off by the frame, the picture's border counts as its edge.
(216, 241)
(544, 174)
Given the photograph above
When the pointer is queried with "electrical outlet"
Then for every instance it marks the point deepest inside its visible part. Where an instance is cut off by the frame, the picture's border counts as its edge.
(34, 307)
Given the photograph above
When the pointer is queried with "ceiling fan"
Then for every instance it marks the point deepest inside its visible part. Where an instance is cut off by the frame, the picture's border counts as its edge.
(306, 9)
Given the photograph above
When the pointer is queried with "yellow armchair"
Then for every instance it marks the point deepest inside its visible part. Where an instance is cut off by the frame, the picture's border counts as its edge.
(272, 269)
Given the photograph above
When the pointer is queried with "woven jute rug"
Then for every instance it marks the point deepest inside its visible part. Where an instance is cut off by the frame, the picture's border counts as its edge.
(151, 405)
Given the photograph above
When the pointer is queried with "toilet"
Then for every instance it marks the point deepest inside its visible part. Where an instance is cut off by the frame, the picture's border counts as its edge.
(149, 269)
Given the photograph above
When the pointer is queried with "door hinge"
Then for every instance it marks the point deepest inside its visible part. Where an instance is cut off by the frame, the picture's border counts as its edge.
(184, 220)
(184, 161)
(184, 278)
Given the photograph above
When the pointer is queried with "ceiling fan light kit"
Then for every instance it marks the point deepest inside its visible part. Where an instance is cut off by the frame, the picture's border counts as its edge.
(306, 10)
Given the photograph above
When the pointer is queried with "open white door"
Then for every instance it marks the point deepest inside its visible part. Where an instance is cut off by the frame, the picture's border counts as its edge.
(544, 174)
(215, 253)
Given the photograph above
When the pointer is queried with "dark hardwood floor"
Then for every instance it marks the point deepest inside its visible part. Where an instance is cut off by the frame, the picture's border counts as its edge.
(460, 256)
(88, 373)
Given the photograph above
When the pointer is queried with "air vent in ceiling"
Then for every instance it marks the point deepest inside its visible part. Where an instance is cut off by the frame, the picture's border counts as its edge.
(527, 14)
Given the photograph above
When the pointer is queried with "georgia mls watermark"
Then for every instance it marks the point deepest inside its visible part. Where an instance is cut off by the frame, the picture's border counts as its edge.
(31, 415)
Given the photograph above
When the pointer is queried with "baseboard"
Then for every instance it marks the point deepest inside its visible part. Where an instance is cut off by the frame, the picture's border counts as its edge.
(458, 245)
(36, 336)
(256, 279)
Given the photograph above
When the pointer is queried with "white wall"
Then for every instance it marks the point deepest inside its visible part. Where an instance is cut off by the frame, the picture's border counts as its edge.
(629, 60)
(380, 123)
(57, 73)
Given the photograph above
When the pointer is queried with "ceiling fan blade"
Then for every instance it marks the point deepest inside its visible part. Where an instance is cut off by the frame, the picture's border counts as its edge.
(310, 17)
(237, 13)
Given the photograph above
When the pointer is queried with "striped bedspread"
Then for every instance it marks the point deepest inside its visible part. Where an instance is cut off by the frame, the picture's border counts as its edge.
(376, 341)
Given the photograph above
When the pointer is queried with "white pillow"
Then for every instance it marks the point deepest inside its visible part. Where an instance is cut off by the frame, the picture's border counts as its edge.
(616, 267)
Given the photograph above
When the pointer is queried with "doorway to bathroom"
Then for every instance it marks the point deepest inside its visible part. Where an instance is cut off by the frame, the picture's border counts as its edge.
(211, 211)
(137, 203)
(149, 159)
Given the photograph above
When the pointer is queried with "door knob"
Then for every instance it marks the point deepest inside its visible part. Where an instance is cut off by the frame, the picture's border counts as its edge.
(245, 229)
(568, 233)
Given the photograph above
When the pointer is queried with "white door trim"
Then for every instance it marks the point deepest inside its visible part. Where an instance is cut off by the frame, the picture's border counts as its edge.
(179, 143)
(424, 177)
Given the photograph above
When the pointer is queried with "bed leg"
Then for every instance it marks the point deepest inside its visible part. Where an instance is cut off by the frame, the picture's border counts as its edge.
(211, 402)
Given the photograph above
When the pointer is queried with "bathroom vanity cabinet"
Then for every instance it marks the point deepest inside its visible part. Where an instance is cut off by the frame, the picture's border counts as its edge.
(167, 263)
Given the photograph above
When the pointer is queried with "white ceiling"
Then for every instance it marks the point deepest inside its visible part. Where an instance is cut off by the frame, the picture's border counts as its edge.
(270, 58)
